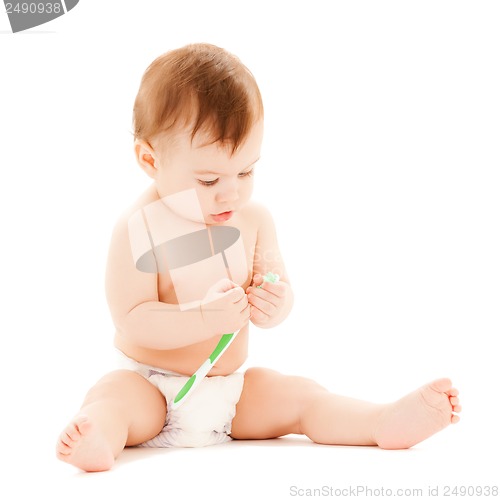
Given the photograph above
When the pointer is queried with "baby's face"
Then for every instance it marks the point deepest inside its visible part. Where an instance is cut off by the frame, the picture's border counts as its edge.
(223, 182)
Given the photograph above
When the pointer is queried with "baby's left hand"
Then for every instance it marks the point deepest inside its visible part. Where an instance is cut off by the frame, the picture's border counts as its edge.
(268, 304)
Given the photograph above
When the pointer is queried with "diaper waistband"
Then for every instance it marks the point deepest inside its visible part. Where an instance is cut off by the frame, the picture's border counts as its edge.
(124, 362)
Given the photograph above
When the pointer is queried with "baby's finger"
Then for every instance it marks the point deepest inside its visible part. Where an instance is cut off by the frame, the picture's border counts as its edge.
(223, 285)
(278, 289)
(272, 295)
(257, 280)
(243, 303)
(246, 312)
(236, 294)
(263, 305)
(257, 315)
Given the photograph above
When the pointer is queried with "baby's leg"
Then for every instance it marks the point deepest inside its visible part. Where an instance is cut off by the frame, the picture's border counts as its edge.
(122, 409)
(273, 405)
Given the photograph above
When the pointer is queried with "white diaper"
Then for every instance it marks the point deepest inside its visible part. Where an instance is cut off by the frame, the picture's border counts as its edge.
(204, 418)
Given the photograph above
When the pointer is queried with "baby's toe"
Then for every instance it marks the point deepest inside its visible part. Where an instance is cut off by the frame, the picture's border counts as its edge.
(72, 433)
(442, 385)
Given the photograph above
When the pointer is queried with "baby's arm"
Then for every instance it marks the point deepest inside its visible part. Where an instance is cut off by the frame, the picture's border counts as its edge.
(270, 302)
(144, 321)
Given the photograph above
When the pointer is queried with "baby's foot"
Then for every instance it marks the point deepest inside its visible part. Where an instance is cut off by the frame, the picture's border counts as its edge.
(418, 415)
(82, 445)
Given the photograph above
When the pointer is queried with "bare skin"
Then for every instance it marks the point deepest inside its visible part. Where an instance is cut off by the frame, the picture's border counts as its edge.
(124, 409)
(271, 405)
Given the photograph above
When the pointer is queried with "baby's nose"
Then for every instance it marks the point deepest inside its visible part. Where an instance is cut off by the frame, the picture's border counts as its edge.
(228, 193)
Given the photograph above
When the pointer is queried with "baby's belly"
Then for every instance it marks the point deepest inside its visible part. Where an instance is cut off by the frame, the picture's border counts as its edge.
(187, 360)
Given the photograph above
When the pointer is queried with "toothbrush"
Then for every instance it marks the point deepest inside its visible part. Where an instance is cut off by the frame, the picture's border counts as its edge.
(224, 342)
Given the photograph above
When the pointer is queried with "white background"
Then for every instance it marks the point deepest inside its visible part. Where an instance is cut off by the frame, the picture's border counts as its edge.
(380, 164)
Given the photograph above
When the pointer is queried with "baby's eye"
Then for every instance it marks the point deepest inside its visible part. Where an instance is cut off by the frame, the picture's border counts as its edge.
(207, 183)
(249, 173)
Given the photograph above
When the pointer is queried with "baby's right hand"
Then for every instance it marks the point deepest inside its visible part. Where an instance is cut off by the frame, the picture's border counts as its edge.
(225, 308)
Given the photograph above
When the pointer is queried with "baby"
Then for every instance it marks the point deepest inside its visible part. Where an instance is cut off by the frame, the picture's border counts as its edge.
(186, 265)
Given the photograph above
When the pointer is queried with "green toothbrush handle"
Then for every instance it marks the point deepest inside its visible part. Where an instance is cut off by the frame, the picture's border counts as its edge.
(220, 348)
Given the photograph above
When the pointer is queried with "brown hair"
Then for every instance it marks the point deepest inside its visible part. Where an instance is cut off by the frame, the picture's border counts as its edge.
(200, 85)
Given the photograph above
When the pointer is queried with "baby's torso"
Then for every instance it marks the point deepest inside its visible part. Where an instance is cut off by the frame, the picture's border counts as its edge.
(221, 251)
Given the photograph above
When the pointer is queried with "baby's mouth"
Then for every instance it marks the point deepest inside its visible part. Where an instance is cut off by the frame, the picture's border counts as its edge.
(222, 216)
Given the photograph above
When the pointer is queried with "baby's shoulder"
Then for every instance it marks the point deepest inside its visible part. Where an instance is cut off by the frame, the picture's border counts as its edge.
(255, 217)
(256, 212)
(122, 223)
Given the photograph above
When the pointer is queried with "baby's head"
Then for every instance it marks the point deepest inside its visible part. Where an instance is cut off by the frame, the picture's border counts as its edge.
(198, 123)
(199, 87)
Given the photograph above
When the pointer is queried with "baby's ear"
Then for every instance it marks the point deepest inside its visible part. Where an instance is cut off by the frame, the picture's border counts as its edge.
(145, 157)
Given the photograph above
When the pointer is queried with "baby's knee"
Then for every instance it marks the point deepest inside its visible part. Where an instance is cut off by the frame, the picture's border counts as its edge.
(114, 384)
(303, 387)
(308, 390)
